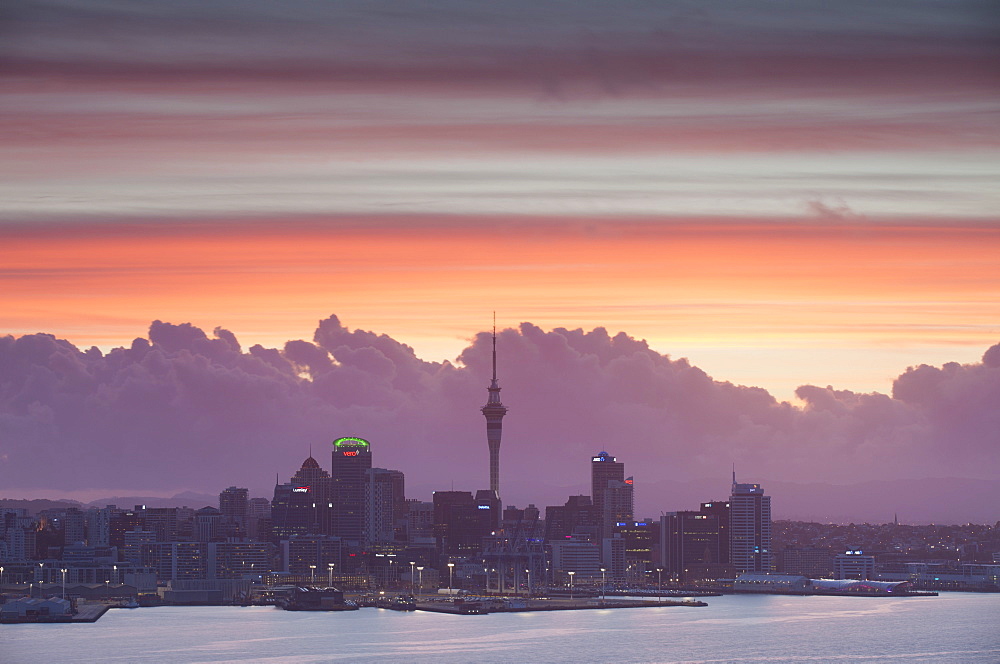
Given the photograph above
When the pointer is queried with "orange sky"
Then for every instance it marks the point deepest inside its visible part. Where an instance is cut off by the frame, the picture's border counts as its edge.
(701, 288)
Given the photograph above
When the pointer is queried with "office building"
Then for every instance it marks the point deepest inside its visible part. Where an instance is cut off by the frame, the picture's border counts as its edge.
(692, 543)
(301, 506)
(385, 505)
(578, 517)
(604, 469)
(233, 502)
(458, 526)
(749, 528)
(320, 489)
(350, 462)
(853, 564)
(809, 562)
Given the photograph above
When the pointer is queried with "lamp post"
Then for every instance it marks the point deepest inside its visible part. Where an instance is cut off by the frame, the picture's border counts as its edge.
(312, 575)
(451, 569)
(420, 583)
(604, 587)
(659, 583)
(107, 589)
(413, 574)
(116, 575)
(571, 585)
(329, 572)
(528, 573)
(1, 576)
(63, 570)
(41, 574)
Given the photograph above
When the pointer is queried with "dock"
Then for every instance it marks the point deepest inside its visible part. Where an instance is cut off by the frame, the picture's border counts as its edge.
(479, 606)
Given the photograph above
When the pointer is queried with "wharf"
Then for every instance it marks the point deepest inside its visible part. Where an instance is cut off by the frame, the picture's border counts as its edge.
(90, 613)
(495, 605)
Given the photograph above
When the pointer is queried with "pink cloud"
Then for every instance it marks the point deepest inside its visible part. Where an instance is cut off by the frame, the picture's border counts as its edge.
(185, 410)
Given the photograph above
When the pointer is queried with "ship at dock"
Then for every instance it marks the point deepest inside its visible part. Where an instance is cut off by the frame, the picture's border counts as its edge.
(302, 598)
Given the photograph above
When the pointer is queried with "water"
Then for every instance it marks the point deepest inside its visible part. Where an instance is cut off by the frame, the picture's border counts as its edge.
(954, 628)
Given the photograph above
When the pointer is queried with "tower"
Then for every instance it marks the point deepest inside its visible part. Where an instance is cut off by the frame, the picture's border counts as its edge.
(351, 461)
(749, 528)
(494, 412)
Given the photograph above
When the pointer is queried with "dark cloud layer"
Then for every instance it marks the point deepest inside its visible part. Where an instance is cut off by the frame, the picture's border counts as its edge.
(621, 45)
(183, 409)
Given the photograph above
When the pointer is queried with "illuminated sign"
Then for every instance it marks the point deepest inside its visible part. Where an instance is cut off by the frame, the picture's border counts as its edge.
(351, 441)
(350, 453)
(629, 481)
(300, 489)
(598, 459)
(483, 507)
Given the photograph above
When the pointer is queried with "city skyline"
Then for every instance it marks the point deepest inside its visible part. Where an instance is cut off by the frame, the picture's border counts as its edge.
(757, 234)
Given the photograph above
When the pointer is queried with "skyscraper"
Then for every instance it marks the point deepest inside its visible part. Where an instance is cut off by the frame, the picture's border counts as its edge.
(350, 463)
(300, 507)
(604, 469)
(233, 502)
(385, 505)
(749, 528)
(494, 411)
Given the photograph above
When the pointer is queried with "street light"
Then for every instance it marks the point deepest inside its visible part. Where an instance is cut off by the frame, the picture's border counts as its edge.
(117, 581)
(528, 572)
(420, 586)
(571, 585)
(413, 566)
(312, 575)
(107, 589)
(451, 569)
(1, 576)
(659, 583)
(329, 568)
(63, 570)
(604, 587)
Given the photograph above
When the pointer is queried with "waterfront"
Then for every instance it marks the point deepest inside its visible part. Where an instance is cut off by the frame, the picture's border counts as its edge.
(954, 628)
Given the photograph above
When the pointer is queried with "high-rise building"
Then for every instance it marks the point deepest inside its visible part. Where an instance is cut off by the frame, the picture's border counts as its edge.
(385, 505)
(608, 474)
(749, 528)
(319, 483)
(691, 543)
(618, 505)
(577, 517)
(233, 502)
(302, 506)
(603, 469)
(458, 525)
(258, 518)
(350, 463)
(720, 509)
(494, 411)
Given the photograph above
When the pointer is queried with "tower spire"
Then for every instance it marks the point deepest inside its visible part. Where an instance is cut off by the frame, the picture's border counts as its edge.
(494, 349)
(494, 411)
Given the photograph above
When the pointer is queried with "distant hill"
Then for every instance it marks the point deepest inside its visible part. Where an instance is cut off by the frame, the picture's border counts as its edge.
(184, 499)
(37, 505)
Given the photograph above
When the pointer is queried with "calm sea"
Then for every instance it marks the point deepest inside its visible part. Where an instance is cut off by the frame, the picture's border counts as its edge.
(950, 629)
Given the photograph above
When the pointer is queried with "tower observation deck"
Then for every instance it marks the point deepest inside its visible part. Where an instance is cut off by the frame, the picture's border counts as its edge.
(494, 411)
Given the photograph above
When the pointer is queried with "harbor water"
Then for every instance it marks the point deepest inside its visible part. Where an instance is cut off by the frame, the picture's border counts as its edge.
(953, 628)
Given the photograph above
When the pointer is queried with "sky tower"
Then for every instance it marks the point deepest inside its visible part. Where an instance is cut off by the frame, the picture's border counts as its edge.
(494, 412)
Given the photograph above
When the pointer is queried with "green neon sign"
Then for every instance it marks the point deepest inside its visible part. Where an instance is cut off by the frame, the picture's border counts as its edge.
(351, 441)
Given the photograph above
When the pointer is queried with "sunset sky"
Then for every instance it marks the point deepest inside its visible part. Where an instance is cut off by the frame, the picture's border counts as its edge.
(785, 194)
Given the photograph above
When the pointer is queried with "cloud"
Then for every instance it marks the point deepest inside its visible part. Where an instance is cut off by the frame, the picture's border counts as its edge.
(182, 409)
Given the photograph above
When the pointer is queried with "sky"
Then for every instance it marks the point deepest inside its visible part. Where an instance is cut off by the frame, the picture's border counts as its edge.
(794, 202)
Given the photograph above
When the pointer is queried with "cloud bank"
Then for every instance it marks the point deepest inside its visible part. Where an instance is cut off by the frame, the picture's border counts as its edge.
(181, 409)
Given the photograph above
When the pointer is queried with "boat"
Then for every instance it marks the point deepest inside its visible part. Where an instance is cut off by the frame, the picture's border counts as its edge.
(316, 599)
